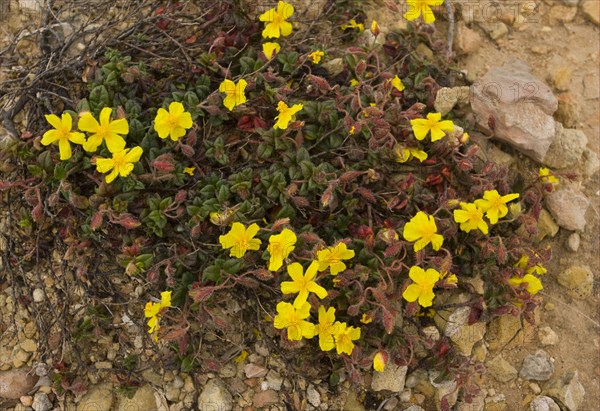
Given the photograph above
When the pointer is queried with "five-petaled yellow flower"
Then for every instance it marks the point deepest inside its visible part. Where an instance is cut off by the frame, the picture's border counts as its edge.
(397, 83)
(172, 123)
(494, 205)
(189, 170)
(269, 48)
(523, 264)
(332, 257)
(105, 130)
(534, 284)
(276, 20)
(403, 154)
(286, 114)
(352, 24)
(470, 218)
(234, 93)
(421, 230)
(422, 287)
(326, 328)
(280, 247)
(316, 56)
(547, 176)
(418, 7)
(303, 284)
(152, 311)
(63, 134)
(121, 163)
(294, 320)
(379, 361)
(240, 239)
(421, 126)
(344, 335)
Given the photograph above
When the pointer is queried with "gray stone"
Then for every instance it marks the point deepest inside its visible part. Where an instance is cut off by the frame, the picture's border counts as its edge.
(538, 367)
(520, 105)
(143, 399)
(568, 206)
(215, 396)
(391, 379)
(98, 398)
(566, 149)
(573, 242)
(568, 390)
(590, 162)
(501, 369)
(543, 403)
(274, 380)
(16, 383)
(41, 402)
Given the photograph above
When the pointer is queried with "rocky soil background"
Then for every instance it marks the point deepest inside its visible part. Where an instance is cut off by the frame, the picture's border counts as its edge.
(534, 69)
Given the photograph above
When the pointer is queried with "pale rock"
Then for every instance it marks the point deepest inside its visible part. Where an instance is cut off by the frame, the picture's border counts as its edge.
(535, 388)
(566, 149)
(590, 163)
(467, 336)
(468, 41)
(391, 379)
(229, 370)
(496, 155)
(352, 403)
(495, 30)
(578, 279)
(573, 242)
(391, 403)
(41, 402)
(568, 110)
(479, 352)
(103, 365)
(38, 295)
(456, 321)
(98, 398)
(443, 390)
(446, 98)
(405, 395)
(313, 396)
(254, 371)
(413, 379)
(143, 399)
(274, 380)
(561, 78)
(591, 10)
(568, 206)
(264, 398)
(28, 345)
(501, 369)
(431, 332)
(214, 395)
(172, 393)
(538, 367)
(591, 86)
(561, 14)
(152, 377)
(546, 226)
(477, 404)
(414, 407)
(543, 403)
(16, 383)
(522, 118)
(547, 336)
(567, 389)
(334, 66)
(506, 331)
(572, 3)
(26, 400)
(21, 407)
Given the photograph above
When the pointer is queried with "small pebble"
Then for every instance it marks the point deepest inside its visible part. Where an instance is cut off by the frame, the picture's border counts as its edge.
(573, 242)
(38, 295)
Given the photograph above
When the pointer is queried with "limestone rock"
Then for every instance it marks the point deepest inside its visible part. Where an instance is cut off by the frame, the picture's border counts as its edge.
(506, 332)
(313, 396)
(391, 379)
(591, 10)
(16, 383)
(254, 371)
(501, 369)
(566, 149)
(561, 14)
(573, 242)
(546, 226)
(578, 279)
(334, 66)
(468, 41)
(547, 336)
(590, 163)
(215, 396)
(41, 402)
(261, 399)
(503, 100)
(443, 390)
(98, 398)
(568, 206)
(446, 98)
(143, 399)
(538, 367)
(568, 390)
(543, 403)
(568, 110)
(467, 336)
(352, 403)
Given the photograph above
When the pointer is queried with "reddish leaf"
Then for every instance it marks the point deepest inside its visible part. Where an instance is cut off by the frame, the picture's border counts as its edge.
(367, 194)
(200, 294)
(350, 175)
(320, 83)
(37, 213)
(388, 320)
(97, 220)
(128, 221)
(191, 39)
(174, 334)
(262, 274)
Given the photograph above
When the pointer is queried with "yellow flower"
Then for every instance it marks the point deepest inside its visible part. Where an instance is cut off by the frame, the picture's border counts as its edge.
(172, 123)
(403, 154)
(276, 20)
(464, 138)
(421, 127)
(344, 336)
(280, 247)
(153, 311)
(294, 320)
(375, 28)
(189, 170)
(242, 357)
(234, 93)
(379, 361)
(421, 230)
(269, 48)
(418, 7)
(352, 130)
(352, 24)
(523, 264)
(105, 130)
(397, 83)
(332, 257)
(470, 218)
(422, 287)
(316, 56)
(547, 177)
(354, 82)
(326, 328)
(534, 285)
(452, 279)
(494, 205)
(240, 239)
(121, 163)
(63, 134)
(303, 284)
(366, 319)
(286, 114)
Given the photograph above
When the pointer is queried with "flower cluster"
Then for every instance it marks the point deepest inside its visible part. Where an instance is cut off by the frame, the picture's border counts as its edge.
(470, 216)
(154, 310)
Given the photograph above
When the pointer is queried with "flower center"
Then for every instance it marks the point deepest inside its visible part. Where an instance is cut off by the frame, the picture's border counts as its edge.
(173, 120)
